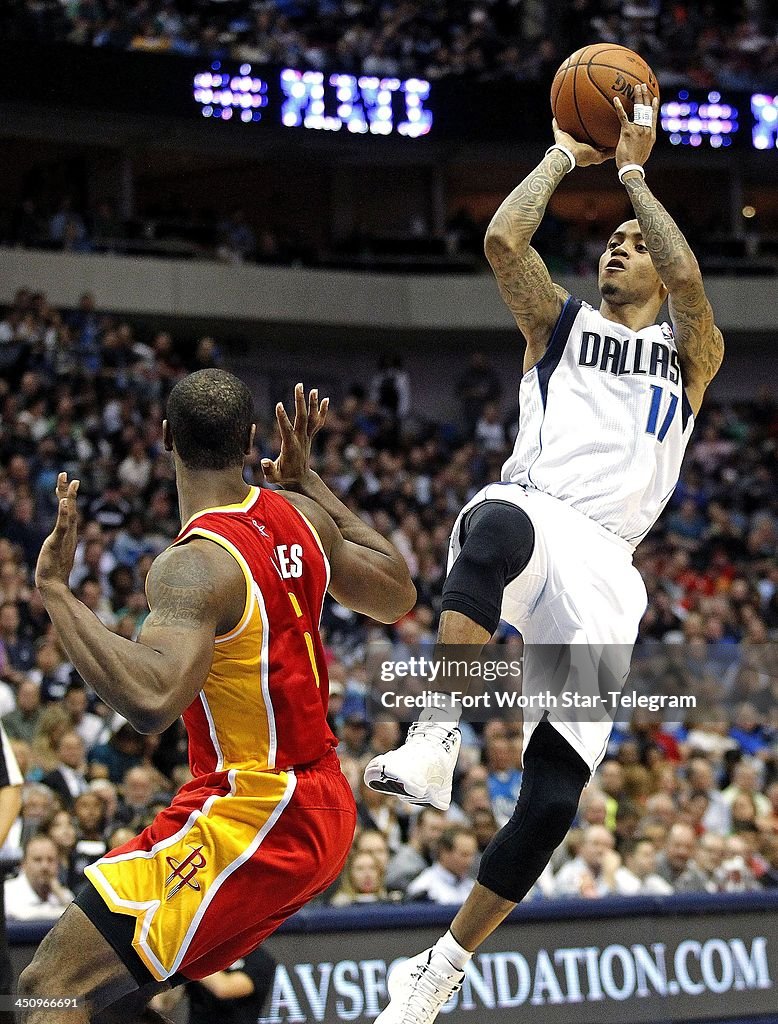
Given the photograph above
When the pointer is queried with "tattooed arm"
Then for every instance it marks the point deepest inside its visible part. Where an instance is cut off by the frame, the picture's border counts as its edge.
(700, 342)
(524, 281)
(190, 589)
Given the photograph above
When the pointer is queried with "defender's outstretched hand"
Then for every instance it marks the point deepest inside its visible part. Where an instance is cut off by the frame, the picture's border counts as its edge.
(585, 156)
(636, 140)
(55, 560)
(294, 460)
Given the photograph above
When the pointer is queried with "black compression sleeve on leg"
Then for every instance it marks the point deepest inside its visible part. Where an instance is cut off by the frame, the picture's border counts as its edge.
(498, 540)
(553, 780)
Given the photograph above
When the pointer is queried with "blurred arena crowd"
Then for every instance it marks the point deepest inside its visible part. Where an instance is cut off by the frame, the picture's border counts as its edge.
(678, 806)
(48, 216)
(734, 45)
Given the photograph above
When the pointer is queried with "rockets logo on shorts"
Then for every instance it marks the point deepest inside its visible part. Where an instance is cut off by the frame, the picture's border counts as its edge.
(185, 871)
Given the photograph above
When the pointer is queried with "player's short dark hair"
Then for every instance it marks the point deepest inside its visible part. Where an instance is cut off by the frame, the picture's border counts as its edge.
(210, 414)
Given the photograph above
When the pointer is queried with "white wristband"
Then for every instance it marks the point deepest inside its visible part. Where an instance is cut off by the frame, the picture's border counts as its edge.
(566, 151)
(631, 167)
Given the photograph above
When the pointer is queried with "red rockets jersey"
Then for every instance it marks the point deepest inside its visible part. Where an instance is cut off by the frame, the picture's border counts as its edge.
(264, 703)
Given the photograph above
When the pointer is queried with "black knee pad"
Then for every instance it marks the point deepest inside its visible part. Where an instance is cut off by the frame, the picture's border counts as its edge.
(497, 539)
(554, 778)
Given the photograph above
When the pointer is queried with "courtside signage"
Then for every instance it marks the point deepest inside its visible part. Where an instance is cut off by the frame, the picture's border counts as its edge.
(565, 972)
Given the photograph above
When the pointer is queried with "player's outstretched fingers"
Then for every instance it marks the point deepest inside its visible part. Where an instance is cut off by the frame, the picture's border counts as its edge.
(66, 505)
(61, 522)
(621, 112)
(284, 423)
(317, 419)
(317, 412)
(313, 410)
(642, 115)
(300, 411)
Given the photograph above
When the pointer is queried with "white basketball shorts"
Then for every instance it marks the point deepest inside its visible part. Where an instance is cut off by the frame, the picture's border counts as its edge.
(579, 592)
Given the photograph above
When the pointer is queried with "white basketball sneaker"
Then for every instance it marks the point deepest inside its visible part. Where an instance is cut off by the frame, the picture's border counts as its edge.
(422, 769)
(419, 987)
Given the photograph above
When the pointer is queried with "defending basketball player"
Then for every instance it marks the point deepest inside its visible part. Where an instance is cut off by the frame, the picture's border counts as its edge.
(608, 400)
(232, 644)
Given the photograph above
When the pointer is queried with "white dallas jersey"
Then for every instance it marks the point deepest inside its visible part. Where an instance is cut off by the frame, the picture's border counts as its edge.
(604, 421)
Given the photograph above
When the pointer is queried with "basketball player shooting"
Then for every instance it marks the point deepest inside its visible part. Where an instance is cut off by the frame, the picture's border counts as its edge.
(608, 400)
(232, 644)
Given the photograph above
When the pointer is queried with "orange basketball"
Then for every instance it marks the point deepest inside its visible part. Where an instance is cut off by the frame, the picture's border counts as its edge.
(585, 86)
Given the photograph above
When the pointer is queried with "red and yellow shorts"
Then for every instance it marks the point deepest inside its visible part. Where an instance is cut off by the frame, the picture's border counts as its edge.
(234, 855)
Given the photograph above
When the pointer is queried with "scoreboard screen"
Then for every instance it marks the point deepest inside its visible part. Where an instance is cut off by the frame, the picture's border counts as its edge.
(229, 96)
(764, 110)
(322, 101)
(709, 121)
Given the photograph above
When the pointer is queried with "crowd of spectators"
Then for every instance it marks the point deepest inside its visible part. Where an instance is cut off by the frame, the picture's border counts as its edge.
(677, 806)
(60, 223)
(48, 220)
(734, 45)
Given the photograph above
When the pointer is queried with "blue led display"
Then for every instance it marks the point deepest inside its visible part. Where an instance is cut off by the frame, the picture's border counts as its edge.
(222, 95)
(364, 104)
(360, 105)
(371, 105)
(689, 123)
(764, 133)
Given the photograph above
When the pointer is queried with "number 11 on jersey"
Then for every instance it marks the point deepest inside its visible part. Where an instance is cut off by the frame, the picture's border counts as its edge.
(657, 394)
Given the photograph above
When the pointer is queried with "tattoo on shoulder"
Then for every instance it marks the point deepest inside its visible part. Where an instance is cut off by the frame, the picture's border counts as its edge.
(181, 590)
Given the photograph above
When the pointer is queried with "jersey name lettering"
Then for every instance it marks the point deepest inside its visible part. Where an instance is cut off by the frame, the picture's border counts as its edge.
(290, 560)
(623, 356)
(603, 421)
